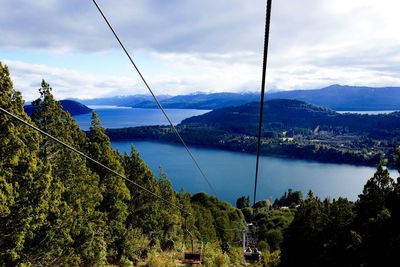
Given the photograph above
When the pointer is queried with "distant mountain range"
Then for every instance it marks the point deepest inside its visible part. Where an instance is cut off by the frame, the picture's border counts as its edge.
(127, 101)
(350, 98)
(336, 97)
(202, 101)
(73, 107)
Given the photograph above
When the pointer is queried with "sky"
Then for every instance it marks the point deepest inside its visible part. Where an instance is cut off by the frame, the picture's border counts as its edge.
(188, 46)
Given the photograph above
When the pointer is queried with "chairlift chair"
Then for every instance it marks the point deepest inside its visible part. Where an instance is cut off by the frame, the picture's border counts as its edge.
(195, 255)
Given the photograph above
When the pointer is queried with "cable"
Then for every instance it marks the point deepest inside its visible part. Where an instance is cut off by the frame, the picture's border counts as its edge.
(266, 40)
(155, 99)
(91, 159)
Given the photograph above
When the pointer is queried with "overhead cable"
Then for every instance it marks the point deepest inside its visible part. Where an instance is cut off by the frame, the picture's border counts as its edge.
(92, 160)
(264, 70)
(155, 99)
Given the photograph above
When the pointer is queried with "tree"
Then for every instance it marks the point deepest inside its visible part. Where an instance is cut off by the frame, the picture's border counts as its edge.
(303, 241)
(170, 216)
(243, 202)
(144, 208)
(80, 240)
(263, 204)
(25, 183)
(374, 219)
(115, 193)
(373, 198)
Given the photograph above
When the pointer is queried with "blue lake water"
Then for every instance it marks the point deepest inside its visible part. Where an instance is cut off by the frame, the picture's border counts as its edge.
(122, 117)
(232, 173)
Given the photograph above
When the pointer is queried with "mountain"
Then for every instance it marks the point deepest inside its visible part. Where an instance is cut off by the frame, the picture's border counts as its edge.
(346, 98)
(128, 101)
(336, 97)
(285, 114)
(203, 101)
(73, 107)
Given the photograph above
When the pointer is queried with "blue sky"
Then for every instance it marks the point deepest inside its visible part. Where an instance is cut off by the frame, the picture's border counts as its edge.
(186, 46)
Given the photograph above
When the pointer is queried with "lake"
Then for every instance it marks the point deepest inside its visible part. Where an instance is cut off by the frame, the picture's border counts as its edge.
(122, 117)
(232, 173)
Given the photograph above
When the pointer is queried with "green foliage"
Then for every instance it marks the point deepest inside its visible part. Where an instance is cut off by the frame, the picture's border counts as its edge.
(263, 204)
(271, 259)
(248, 214)
(363, 234)
(80, 192)
(213, 256)
(114, 190)
(144, 208)
(223, 219)
(134, 243)
(274, 238)
(243, 202)
(291, 198)
(25, 183)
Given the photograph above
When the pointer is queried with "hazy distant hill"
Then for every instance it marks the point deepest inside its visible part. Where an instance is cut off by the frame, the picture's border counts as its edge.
(284, 114)
(73, 107)
(336, 97)
(203, 101)
(120, 100)
(340, 97)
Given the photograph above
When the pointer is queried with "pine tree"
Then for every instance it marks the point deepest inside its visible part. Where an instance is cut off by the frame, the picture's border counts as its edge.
(116, 194)
(144, 208)
(169, 215)
(373, 220)
(77, 228)
(25, 195)
(303, 240)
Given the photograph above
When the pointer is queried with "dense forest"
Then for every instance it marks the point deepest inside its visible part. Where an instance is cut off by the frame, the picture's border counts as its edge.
(58, 209)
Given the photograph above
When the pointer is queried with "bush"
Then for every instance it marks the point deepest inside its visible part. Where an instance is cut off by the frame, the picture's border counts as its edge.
(274, 238)
(135, 243)
(263, 246)
(271, 259)
(160, 260)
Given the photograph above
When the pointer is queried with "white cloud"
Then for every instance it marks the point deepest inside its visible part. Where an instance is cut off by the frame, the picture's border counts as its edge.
(205, 45)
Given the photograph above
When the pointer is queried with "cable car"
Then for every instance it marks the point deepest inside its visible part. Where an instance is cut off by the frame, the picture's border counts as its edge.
(252, 255)
(250, 252)
(195, 255)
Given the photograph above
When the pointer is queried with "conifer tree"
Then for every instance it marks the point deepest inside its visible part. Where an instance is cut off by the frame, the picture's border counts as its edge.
(170, 216)
(77, 227)
(116, 194)
(144, 208)
(25, 195)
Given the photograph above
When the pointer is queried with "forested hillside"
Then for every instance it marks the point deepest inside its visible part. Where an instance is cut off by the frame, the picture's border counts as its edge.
(285, 114)
(73, 108)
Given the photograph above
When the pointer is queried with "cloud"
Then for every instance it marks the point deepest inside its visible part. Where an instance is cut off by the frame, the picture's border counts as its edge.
(204, 45)
(168, 26)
